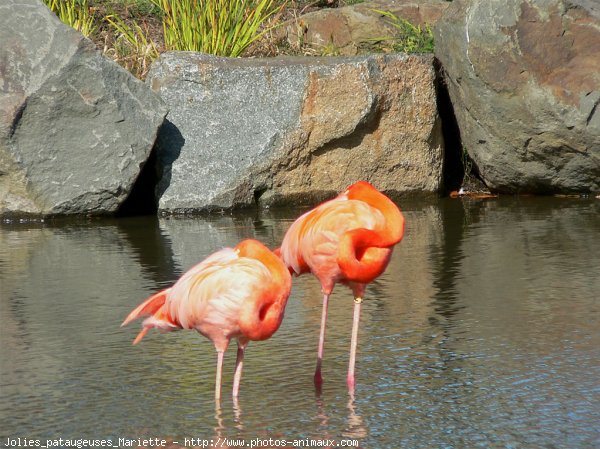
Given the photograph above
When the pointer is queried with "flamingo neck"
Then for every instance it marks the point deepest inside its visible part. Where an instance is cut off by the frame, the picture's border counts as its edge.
(393, 230)
(262, 316)
(363, 254)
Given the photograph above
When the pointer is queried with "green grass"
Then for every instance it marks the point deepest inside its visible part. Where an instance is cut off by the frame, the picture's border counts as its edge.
(130, 31)
(132, 46)
(134, 8)
(219, 27)
(409, 38)
(75, 13)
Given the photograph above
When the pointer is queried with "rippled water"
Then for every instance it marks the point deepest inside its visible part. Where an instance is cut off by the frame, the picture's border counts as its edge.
(483, 332)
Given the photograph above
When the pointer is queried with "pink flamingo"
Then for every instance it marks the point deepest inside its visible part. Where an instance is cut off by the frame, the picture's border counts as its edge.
(348, 239)
(236, 292)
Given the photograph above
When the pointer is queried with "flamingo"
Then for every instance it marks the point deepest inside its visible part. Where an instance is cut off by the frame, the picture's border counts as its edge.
(236, 292)
(348, 239)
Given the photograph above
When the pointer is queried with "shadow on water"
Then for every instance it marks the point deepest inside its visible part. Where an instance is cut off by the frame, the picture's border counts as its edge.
(151, 246)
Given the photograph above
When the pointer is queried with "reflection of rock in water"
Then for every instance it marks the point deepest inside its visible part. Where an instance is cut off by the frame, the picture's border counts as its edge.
(406, 288)
(192, 239)
(152, 246)
(446, 259)
(16, 248)
(66, 287)
(17, 245)
(532, 258)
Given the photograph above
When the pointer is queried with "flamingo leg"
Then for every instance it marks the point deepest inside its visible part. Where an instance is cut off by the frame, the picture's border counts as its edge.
(353, 344)
(318, 376)
(239, 364)
(219, 372)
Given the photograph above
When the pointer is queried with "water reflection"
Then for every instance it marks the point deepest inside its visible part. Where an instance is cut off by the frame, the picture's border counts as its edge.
(220, 427)
(237, 413)
(356, 428)
(483, 332)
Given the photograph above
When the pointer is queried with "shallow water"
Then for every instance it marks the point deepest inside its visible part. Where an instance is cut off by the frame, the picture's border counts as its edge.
(483, 332)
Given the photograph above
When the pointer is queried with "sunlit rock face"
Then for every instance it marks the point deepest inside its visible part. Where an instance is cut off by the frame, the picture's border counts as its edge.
(294, 130)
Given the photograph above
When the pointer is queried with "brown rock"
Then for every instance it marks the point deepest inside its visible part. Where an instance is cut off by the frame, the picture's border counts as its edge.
(378, 123)
(350, 29)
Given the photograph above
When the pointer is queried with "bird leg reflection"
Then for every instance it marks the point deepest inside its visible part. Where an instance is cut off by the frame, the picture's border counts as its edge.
(237, 414)
(324, 428)
(321, 413)
(219, 418)
(356, 427)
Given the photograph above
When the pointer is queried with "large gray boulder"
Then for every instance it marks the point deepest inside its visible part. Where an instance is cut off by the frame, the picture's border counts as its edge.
(524, 79)
(75, 128)
(280, 130)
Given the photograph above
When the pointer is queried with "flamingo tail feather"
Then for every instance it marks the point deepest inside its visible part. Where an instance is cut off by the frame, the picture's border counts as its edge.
(148, 307)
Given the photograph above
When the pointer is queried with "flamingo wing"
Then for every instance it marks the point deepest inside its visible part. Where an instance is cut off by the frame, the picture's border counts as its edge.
(213, 296)
(311, 243)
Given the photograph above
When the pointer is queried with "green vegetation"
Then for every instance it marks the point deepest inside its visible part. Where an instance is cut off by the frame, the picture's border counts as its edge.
(330, 49)
(132, 46)
(75, 13)
(219, 27)
(409, 38)
(134, 32)
(128, 30)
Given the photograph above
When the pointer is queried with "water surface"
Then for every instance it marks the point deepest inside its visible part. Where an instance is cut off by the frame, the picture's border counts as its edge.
(483, 332)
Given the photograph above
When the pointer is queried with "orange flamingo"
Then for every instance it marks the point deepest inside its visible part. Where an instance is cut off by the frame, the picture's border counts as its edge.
(348, 239)
(236, 292)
